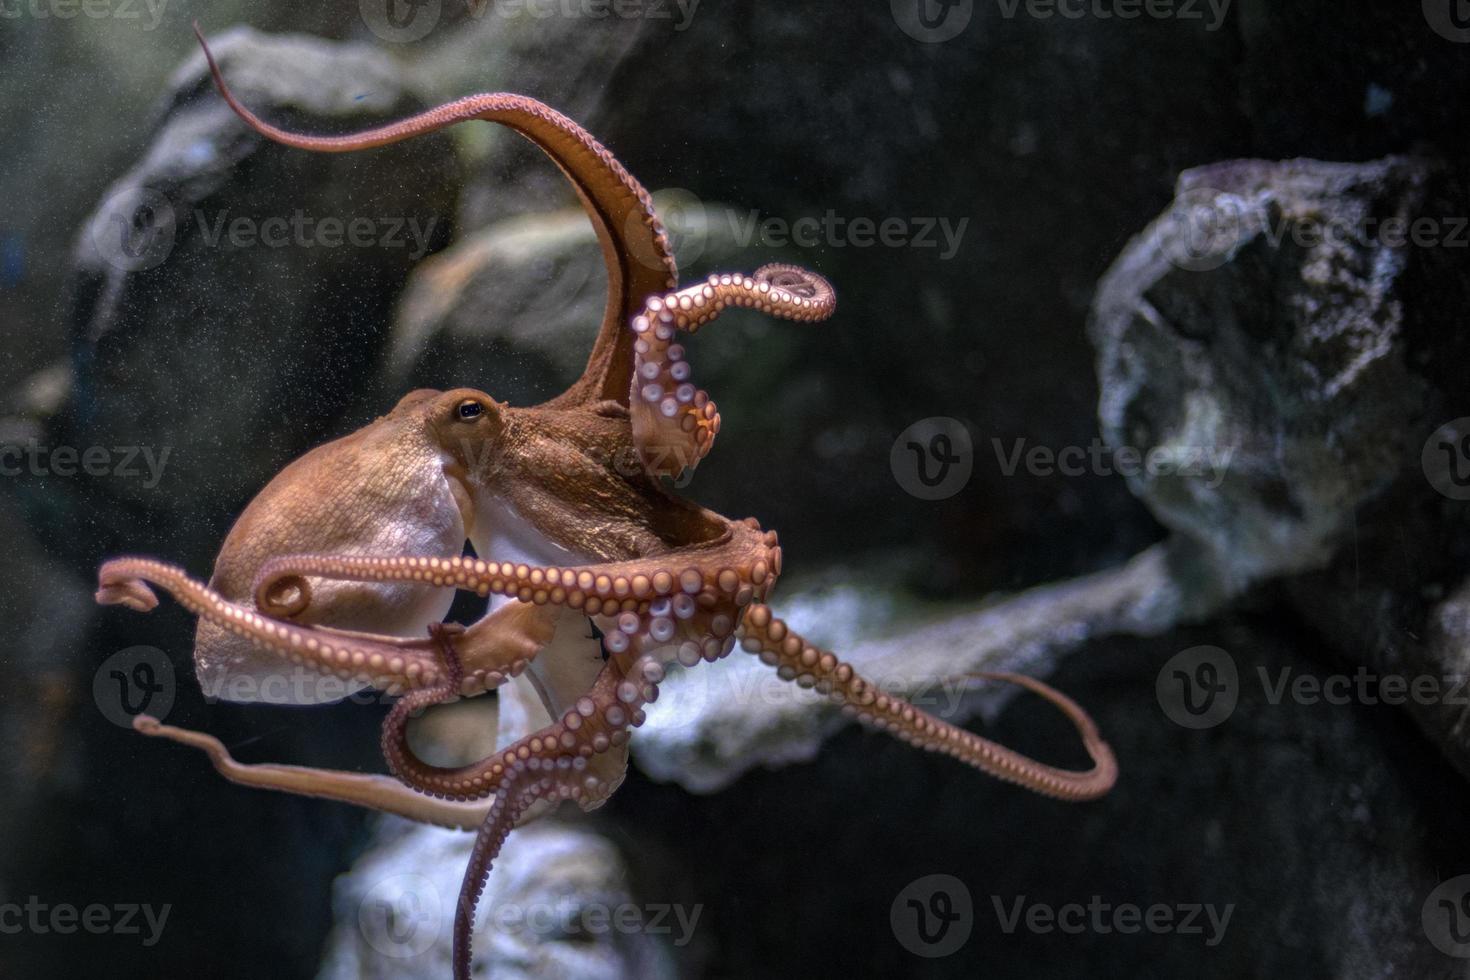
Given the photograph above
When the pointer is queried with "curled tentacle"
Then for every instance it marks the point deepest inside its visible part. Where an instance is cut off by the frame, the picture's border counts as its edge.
(799, 661)
(634, 244)
(285, 598)
(674, 422)
(557, 763)
(598, 721)
(799, 282)
(388, 663)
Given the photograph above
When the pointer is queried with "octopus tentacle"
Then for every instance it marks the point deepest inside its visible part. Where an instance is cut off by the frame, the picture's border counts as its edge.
(634, 244)
(740, 566)
(674, 422)
(557, 763)
(797, 660)
(394, 739)
(500, 819)
(497, 647)
(599, 720)
(382, 793)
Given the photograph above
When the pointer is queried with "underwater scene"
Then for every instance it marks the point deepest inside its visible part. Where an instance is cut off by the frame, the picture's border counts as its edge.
(665, 489)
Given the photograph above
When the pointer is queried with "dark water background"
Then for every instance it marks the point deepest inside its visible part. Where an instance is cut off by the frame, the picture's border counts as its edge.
(1043, 144)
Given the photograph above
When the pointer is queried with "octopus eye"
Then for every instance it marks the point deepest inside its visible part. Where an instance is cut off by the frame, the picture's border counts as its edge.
(470, 410)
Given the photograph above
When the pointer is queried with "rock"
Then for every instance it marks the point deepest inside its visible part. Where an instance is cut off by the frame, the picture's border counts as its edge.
(1294, 322)
(306, 251)
(557, 901)
(556, 904)
(78, 87)
(1303, 364)
(1327, 828)
(717, 721)
(1252, 351)
(521, 299)
(1320, 829)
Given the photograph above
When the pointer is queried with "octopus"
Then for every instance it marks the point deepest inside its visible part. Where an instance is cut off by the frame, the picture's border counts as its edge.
(344, 566)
